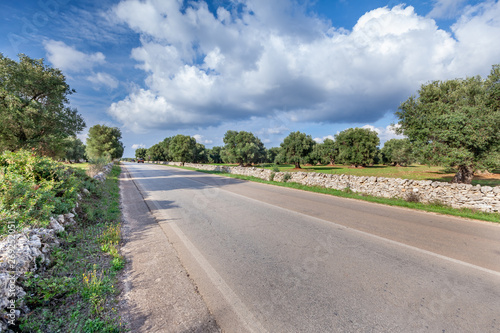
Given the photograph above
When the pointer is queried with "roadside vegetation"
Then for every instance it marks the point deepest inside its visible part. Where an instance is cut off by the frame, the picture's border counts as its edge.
(77, 291)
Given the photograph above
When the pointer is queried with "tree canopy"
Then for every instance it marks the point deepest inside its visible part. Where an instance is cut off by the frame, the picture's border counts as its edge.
(456, 123)
(74, 149)
(34, 111)
(104, 141)
(357, 146)
(182, 148)
(325, 153)
(243, 148)
(398, 152)
(141, 153)
(296, 148)
(155, 153)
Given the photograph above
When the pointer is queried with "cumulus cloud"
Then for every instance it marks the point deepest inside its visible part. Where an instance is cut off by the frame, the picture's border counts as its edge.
(68, 58)
(199, 139)
(103, 79)
(446, 8)
(138, 145)
(321, 140)
(270, 57)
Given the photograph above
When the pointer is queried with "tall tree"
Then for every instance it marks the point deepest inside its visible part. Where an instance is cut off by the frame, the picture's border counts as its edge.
(182, 148)
(200, 155)
(357, 146)
(271, 154)
(141, 153)
(214, 155)
(34, 111)
(456, 123)
(155, 153)
(243, 148)
(165, 144)
(74, 149)
(398, 152)
(325, 153)
(104, 141)
(296, 147)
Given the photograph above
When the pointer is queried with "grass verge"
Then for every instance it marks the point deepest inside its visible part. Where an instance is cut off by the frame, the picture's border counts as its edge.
(432, 207)
(78, 291)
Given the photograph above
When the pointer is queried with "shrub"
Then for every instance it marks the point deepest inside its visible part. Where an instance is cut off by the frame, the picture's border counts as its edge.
(286, 177)
(97, 165)
(272, 175)
(34, 188)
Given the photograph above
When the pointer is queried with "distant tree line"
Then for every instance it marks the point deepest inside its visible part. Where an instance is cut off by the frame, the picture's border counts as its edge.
(355, 146)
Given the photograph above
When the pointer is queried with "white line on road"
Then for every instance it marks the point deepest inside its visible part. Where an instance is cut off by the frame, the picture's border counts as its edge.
(244, 314)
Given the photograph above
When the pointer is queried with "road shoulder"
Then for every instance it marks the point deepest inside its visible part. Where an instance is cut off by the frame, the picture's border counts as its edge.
(157, 293)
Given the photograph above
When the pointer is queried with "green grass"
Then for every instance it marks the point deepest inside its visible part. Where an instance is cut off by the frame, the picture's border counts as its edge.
(81, 166)
(415, 172)
(435, 208)
(78, 291)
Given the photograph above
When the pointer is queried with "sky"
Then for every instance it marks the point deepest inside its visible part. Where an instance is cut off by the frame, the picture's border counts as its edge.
(157, 68)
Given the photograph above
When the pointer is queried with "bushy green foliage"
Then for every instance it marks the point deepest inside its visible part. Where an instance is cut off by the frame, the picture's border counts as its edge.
(34, 111)
(141, 153)
(324, 153)
(243, 148)
(74, 149)
(182, 148)
(33, 188)
(214, 155)
(398, 152)
(295, 149)
(155, 153)
(104, 141)
(456, 122)
(357, 146)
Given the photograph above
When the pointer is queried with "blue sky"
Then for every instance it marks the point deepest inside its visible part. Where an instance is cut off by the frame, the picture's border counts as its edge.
(156, 68)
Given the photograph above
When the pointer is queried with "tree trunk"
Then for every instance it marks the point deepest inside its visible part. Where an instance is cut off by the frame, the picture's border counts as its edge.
(464, 175)
(297, 165)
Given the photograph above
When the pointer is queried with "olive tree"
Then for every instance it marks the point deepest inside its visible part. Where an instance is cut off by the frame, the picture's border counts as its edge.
(182, 148)
(456, 123)
(295, 148)
(398, 152)
(357, 146)
(34, 107)
(243, 148)
(141, 153)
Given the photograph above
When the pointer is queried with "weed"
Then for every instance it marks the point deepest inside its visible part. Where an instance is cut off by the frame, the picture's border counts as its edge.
(286, 177)
(271, 176)
(412, 197)
(118, 263)
(76, 293)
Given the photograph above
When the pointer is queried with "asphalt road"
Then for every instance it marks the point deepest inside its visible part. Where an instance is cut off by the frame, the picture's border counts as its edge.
(272, 259)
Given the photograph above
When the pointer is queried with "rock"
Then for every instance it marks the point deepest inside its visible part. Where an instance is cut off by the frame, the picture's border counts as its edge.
(55, 225)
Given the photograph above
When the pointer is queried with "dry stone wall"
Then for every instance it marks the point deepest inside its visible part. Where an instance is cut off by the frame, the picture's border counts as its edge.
(25, 251)
(483, 198)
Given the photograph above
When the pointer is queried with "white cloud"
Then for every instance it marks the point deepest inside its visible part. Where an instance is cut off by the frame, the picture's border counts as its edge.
(270, 58)
(138, 145)
(446, 8)
(68, 58)
(103, 79)
(321, 140)
(199, 139)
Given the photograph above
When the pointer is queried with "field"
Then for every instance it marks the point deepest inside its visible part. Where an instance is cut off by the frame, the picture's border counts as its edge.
(416, 172)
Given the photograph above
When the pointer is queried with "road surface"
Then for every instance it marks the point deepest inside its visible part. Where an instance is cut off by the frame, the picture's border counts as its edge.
(272, 259)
